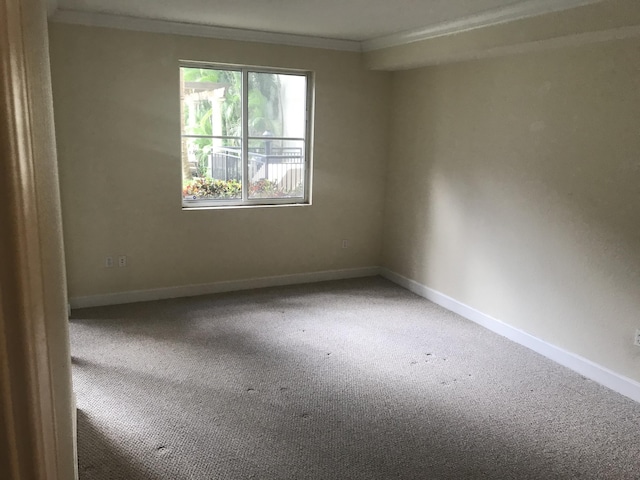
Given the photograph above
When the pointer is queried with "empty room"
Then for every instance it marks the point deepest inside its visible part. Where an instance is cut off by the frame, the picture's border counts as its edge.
(322, 240)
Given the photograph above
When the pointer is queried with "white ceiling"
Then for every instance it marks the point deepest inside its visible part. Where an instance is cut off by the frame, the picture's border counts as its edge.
(356, 20)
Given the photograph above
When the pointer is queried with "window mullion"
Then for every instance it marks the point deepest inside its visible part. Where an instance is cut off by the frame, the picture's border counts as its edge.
(308, 139)
(245, 134)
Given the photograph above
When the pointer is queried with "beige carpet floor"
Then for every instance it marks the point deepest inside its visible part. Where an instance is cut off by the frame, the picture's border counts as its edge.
(354, 379)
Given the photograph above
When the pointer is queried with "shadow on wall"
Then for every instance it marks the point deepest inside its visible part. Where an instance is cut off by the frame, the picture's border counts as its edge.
(525, 177)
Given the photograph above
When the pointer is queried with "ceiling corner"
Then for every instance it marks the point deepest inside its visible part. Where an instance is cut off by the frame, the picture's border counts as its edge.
(52, 6)
(497, 16)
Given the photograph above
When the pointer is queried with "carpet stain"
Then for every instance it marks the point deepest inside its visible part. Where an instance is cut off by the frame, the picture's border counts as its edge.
(162, 449)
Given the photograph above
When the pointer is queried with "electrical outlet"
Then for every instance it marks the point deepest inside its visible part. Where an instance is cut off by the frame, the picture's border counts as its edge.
(345, 243)
(636, 340)
(122, 261)
(108, 262)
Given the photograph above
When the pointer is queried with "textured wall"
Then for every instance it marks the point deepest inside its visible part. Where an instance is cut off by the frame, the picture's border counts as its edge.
(512, 183)
(117, 123)
(514, 187)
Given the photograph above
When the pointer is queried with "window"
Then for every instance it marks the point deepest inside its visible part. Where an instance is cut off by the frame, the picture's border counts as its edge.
(245, 135)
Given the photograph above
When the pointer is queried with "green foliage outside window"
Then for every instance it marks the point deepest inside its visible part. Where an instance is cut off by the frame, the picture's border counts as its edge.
(264, 105)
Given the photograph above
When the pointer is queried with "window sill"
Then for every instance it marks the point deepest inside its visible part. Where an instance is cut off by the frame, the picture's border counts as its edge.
(236, 207)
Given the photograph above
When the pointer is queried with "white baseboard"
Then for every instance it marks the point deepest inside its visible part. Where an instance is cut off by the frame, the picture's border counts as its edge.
(219, 287)
(602, 375)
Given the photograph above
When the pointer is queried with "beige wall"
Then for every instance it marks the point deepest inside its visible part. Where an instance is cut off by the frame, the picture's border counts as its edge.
(511, 183)
(117, 114)
(514, 187)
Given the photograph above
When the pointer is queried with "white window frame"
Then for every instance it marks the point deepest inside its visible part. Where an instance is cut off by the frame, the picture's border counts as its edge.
(305, 199)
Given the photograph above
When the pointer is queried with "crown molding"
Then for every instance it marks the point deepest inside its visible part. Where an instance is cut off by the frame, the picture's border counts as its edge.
(198, 30)
(565, 41)
(518, 11)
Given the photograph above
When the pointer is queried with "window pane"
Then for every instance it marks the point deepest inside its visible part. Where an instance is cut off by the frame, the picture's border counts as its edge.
(211, 102)
(215, 169)
(277, 105)
(215, 166)
(226, 160)
(276, 168)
